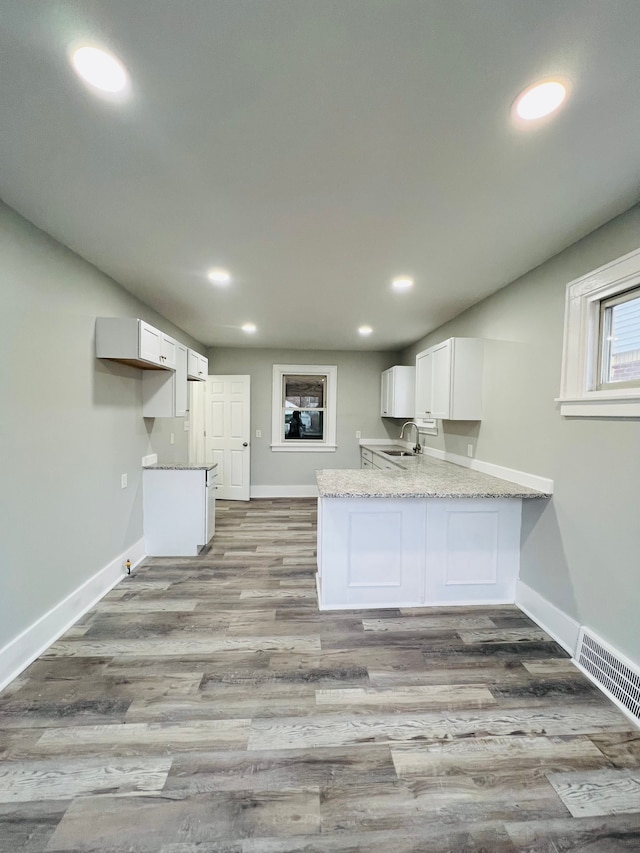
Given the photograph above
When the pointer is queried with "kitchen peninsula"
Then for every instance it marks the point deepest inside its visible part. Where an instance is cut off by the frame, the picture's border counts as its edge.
(423, 532)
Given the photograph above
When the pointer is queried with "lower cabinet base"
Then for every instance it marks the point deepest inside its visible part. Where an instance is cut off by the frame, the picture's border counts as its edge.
(412, 552)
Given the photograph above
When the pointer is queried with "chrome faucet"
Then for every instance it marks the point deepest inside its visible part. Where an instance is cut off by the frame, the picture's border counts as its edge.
(417, 448)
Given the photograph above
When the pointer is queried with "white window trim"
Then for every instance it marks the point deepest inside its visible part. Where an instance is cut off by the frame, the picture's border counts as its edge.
(579, 396)
(330, 421)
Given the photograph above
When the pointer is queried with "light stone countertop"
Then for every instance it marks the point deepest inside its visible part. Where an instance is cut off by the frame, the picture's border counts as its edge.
(419, 477)
(176, 466)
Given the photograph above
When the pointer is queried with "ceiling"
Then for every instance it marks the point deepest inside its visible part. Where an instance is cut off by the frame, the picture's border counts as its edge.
(316, 149)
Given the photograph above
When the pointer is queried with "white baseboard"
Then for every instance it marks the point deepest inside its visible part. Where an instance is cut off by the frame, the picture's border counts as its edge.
(522, 478)
(284, 491)
(31, 643)
(554, 621)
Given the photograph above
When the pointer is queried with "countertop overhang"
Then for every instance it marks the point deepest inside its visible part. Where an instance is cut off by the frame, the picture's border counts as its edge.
(175, 466)
(419, 477)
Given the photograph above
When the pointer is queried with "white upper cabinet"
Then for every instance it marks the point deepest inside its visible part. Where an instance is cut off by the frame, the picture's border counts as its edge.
(164, 393)
(198, 366)
(424, 380)
(135, 342)
(449, 380)
(397, 392)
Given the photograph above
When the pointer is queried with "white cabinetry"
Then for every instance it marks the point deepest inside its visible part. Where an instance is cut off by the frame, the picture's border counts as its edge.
(197, 366)
(449, 380)
(164, 393)
(397, 392)
(135, 342)
(414, 552)
(178, 510)
(423, 385)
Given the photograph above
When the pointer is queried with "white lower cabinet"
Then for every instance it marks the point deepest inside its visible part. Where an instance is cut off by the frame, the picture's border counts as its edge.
(178, 510)
(411, 552)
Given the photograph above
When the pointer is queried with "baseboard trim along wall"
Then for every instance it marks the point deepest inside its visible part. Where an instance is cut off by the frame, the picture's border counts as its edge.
(522, 478)
(550, 618)
(31, 643)
(284, 491)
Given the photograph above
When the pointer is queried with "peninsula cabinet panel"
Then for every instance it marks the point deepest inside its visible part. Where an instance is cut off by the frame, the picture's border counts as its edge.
(411, 552)
(373, 551)
(472, 550)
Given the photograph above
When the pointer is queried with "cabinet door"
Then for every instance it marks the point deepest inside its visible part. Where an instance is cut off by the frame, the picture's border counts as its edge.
(149, 343)
(424, 382)
(192, 364)
(203, 367)
(441, 381)
(168, 350)
(386, 394)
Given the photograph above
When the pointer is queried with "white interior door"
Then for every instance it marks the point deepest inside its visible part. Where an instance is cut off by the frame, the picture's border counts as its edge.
(228, 432)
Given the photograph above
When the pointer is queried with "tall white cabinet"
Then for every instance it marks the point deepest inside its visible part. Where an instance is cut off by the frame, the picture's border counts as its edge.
(449, 380)
(397, 392)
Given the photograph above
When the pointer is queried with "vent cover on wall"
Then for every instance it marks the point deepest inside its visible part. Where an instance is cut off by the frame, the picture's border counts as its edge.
(611, 671)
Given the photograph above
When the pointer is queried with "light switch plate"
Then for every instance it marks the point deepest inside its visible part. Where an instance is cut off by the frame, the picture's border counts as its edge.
(123, 481)
(258, 433)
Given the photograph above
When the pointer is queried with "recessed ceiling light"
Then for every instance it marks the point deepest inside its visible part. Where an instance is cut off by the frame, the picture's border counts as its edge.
(219, 276)
(403, 282)
(540, 100)
(249, 328)
(100, 70)
(365, 330)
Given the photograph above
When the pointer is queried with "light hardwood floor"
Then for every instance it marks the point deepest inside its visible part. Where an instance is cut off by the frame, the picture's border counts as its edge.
(206, 706)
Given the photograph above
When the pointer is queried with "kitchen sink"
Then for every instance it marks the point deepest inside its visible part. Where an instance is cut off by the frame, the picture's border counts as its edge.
(398, 453)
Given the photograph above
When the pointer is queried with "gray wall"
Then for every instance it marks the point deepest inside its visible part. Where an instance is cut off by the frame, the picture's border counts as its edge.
(358, 408)
(581, 550)
(70, 425)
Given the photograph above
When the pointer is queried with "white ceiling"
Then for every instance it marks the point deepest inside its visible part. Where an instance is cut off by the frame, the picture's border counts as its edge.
(316, 148)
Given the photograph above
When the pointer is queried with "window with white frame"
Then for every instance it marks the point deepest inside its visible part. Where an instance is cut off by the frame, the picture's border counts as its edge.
(304, 407)
(601, 357)
(619, 341)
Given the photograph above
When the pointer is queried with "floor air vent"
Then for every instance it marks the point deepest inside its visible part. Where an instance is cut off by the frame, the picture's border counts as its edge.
(611, 671)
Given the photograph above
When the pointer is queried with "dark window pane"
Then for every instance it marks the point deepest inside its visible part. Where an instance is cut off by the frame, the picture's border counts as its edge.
(304, 392)
(307, 425)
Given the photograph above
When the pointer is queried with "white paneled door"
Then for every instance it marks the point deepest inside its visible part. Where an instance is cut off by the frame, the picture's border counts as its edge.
(227, 441)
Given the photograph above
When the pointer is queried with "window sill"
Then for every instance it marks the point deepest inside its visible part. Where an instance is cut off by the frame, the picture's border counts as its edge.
(309, 447)
(601, 405)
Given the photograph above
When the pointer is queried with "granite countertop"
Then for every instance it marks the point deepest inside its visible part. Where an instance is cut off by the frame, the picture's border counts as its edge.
(419, 477)
(176, 466)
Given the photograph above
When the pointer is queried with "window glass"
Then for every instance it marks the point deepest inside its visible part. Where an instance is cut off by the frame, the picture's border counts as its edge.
(304, 408)
(304, 399)
(620, 340)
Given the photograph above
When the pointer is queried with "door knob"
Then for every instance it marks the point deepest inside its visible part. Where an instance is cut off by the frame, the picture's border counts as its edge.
(244, 444)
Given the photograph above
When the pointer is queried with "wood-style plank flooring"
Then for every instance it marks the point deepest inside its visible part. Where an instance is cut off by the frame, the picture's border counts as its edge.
(206, 706)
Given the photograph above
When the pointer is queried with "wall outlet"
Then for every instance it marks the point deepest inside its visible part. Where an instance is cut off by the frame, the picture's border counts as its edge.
(172, 438)
(469, 449)
(358, 434)
(258, 433)
(123, 481)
